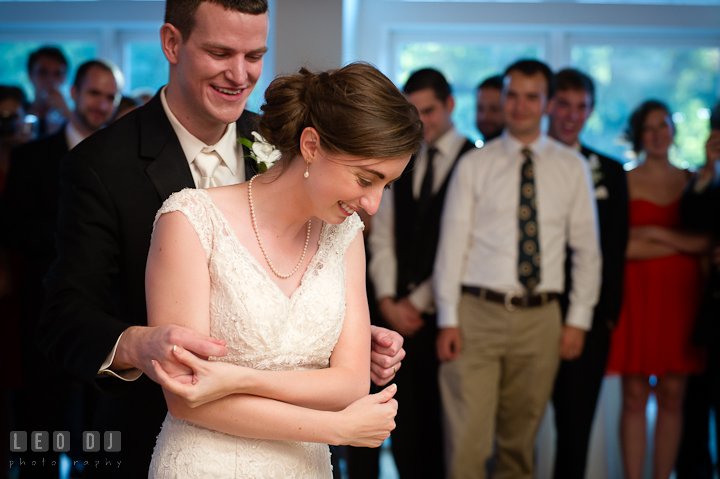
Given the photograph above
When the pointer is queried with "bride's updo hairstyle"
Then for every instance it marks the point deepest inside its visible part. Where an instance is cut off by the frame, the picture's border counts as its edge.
(356, 110)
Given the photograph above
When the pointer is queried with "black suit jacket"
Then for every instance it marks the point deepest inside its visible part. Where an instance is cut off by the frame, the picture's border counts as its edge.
(112, 184)
(613, 217)
(29, 203)
(28, 215)
(701, 212)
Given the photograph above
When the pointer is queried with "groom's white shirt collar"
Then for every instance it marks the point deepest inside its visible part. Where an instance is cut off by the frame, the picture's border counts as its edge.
(227, 147)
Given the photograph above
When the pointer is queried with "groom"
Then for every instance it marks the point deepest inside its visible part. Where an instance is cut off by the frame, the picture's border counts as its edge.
(95, 321)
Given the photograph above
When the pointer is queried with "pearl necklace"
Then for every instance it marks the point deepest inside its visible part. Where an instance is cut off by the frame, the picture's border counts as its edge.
(262, 248)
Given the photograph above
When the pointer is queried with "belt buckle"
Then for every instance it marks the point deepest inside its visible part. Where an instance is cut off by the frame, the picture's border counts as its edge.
(508, 301)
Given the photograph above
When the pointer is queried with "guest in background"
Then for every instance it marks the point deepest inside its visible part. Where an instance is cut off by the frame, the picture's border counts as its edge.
(578, 381)
(701, 212)
(402, 248)
(126, 105)
(12, 134)
(13, 131)
(28, 215)
(489, 118)
(142, 95)
(511, 209)
(661, 297)
(47, 69)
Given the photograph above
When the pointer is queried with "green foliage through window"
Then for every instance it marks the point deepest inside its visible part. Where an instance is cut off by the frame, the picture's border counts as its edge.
(685, 78)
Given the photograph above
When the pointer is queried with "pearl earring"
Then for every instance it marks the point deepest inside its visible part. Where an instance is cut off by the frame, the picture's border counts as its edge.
(307, 173)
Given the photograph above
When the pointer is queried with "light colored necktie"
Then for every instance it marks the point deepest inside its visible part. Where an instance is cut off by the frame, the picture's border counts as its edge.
(206, 163)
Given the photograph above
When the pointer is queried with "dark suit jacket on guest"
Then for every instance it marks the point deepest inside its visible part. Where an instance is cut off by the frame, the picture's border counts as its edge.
(112, 184)
(28, 215)
(577, 384)
(613, 217)
(701, 212)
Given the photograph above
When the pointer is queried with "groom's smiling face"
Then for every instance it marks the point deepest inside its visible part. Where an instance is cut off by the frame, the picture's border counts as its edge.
(218, 66)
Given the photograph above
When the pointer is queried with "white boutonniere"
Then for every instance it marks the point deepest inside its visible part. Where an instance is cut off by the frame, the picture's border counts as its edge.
(264, 154)
(595, 169)
(601, 193)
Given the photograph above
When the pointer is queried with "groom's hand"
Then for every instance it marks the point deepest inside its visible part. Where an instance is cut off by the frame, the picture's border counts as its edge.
(140, 345)
(386, 354)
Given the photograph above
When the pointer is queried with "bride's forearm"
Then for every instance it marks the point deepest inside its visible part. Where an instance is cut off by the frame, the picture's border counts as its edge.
(260, 418)
(329, 389)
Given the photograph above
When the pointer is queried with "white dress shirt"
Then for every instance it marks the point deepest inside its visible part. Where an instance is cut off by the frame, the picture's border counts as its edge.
(383, 262)
(479, 228)
(230, 172)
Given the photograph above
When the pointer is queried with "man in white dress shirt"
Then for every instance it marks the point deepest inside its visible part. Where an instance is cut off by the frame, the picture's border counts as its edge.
(403, 242)
(511, 208)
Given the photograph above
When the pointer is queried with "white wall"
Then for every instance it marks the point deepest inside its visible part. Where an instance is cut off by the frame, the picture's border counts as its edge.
(308, 33)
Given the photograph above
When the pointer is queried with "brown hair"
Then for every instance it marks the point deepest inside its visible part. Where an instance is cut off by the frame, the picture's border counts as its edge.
(356, 110)
(181, 13)
(637, 121)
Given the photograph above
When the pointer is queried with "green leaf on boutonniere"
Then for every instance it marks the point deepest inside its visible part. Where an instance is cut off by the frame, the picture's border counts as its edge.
(246, 143)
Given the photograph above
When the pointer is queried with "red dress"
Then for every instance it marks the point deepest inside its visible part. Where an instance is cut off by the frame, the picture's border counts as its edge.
(660, 302)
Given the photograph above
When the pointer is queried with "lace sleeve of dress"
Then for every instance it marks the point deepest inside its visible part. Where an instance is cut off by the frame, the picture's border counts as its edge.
(194, 205)
(347, 231)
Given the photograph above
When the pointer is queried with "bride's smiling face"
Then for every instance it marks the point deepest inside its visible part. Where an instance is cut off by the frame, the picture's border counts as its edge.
(341, 184)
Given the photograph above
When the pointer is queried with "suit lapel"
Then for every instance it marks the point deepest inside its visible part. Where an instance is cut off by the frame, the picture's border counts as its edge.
(168, 170)
(246, 124)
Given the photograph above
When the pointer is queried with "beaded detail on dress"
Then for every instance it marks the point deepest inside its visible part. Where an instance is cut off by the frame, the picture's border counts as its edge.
(264, 329)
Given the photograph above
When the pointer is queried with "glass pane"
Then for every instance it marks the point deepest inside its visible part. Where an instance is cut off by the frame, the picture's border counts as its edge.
(686, 79)
(147, 67)
(14, 56)
(464, 66)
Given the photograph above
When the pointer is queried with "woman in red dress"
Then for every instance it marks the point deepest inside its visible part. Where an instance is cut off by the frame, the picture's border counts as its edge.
(662, 287)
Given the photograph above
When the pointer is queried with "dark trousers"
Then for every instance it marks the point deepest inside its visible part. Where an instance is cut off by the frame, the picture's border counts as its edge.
(577, 386)
(417, 441)
(137, 412)
(702, 393)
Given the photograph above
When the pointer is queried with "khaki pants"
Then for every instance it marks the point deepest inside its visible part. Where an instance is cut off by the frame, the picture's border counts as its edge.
(508, 364)
(453, 408)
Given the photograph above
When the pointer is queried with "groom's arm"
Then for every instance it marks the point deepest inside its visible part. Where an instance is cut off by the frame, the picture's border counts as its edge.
(79, 325)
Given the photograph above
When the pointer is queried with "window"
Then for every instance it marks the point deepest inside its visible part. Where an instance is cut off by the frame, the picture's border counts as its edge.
(685, 78)
(144, 65)
(682, 72)
(464, 65)
(14, 56)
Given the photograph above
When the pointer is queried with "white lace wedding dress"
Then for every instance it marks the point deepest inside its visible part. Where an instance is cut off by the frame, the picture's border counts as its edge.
(264, 329)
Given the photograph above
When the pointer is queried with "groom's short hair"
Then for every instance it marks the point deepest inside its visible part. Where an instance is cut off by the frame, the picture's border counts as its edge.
(181, 13)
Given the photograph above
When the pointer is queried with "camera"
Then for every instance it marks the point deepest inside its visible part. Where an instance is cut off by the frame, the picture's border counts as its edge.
(715, 117)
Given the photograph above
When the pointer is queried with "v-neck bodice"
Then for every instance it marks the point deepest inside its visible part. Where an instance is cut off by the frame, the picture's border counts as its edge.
(264, 328)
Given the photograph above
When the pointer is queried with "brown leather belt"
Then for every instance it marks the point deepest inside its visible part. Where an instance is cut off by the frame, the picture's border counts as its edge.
(511, 300)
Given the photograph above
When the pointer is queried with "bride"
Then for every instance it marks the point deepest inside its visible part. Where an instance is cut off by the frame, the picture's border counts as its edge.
(280, 262)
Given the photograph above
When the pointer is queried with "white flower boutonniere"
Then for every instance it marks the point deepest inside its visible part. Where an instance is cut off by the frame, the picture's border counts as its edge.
(601, 193)
(261, 151)
(595, 168)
